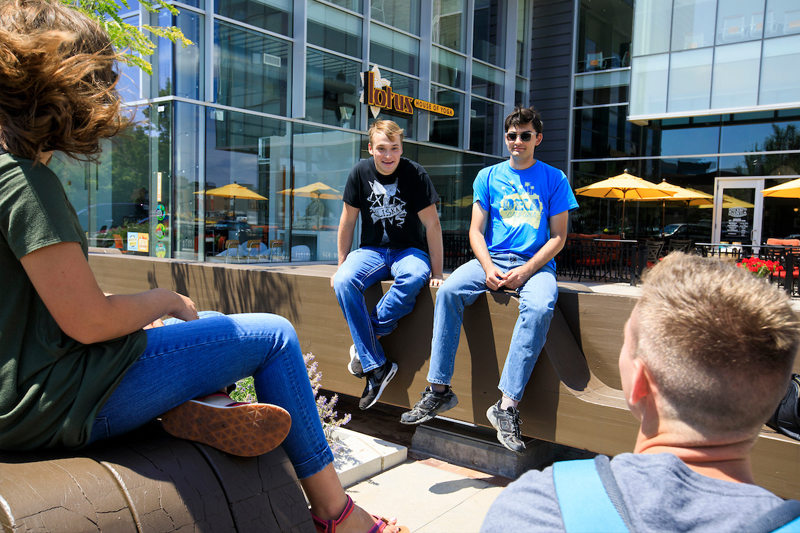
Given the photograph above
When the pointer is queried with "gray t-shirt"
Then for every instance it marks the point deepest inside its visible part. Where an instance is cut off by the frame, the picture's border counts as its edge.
(660, 491)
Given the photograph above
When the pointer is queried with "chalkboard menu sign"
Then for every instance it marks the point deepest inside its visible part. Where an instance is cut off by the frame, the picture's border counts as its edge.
(736, 224)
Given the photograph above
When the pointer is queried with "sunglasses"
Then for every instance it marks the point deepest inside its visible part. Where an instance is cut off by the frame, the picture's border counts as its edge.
(525, 136)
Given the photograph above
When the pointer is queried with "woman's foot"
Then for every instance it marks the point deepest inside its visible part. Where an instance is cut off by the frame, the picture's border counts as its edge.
(354, 519)
(243, 429)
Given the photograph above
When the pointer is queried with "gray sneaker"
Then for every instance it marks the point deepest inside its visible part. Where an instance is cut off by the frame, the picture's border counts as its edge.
(354, 366)
(507, 425)
(431, 404)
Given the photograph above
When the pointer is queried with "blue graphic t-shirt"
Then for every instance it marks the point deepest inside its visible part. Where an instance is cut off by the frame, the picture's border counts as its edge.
(520, 204)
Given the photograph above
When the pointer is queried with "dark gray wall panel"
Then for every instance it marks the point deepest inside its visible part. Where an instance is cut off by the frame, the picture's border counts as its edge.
(551, 71)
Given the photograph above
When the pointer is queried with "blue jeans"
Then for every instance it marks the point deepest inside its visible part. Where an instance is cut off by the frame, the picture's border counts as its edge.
(410, 268)
(537, 300)
(196, 358)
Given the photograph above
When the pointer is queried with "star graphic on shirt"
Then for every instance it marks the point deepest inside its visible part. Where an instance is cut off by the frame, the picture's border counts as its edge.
(379, 83)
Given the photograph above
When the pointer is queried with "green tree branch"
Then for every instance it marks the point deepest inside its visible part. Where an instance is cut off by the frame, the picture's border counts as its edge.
(129, 40)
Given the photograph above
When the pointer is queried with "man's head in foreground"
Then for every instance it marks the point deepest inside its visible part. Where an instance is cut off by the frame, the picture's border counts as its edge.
(708, 353)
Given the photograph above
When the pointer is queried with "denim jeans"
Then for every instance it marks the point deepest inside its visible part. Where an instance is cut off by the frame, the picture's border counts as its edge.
(196, 358)
(410, 268)
(537, 300)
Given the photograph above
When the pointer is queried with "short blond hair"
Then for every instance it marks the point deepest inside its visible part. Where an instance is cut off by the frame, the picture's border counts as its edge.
(389, 128)
(719, 343)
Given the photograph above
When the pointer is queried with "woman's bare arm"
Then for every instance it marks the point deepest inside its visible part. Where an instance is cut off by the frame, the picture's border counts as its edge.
(65, 283)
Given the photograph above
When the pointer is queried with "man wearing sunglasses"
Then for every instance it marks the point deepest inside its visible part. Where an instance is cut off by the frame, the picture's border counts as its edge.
(519, 224)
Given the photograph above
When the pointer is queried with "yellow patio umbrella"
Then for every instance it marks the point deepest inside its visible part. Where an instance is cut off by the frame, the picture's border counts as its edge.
(729, 201)
(464, 201)
(233, 190)
(690, 196)
(625, 187)
(790, 189)
(315, 190)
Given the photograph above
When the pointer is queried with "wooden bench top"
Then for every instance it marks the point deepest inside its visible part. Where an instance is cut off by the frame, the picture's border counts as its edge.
(574, 396)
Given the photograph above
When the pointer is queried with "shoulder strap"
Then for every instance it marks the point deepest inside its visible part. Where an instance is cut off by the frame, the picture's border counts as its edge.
(785, 518)
(584, 501)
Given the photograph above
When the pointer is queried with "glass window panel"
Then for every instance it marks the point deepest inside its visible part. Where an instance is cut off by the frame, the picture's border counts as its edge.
(200, 4)
(272, 15)
(782, 18)
(400, 85)
(487, 81)
(332, 86)
(446, 130)
(334, 29)
(690, 81)
(394, 50)
(113, 198)
(602, 88)
(770, 136)
(489, 31)
(739, 20)
(447, 68)
(252, 70)
(189, 207)
(693, 24)
(780, 84)
(253, 152)
(401, 14)
(652, 32)
(521, 93)
(736, 75)
(130, 77)
(522, 17)
(604, 132)
(688, 141)
(760, 165)
(449, 23)
(352, 5)
(604, 35)
(486, 127)
(649, 84)
(320, 156)
(179, 70)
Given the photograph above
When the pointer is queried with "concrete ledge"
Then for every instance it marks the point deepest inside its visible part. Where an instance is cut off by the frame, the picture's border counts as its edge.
(360, 456)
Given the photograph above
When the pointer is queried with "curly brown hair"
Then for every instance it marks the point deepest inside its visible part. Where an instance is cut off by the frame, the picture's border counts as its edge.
(57, 81)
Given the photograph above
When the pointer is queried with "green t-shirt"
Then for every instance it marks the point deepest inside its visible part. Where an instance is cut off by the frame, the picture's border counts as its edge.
(51, 386)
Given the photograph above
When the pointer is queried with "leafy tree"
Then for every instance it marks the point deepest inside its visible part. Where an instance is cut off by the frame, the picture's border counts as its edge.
(129, 39)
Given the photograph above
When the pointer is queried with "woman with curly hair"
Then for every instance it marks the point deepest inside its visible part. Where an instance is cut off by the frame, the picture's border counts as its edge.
(76, 365)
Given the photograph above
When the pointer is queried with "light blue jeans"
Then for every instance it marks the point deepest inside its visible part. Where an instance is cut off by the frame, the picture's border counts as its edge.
(196, 358)
(537, 300)
(410, 268)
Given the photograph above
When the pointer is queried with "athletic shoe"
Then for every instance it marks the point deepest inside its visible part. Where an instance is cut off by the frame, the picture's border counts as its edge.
(354, 366)
(376, 381)
(507, 425)
(243, 429)
(431, 404)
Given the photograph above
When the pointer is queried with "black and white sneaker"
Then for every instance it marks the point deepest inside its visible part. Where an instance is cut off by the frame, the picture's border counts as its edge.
(376, 381)
(431, 404)
(507, 425)
(354, 366)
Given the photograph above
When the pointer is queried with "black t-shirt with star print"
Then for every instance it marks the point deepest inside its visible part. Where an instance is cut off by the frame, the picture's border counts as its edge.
(390, 205)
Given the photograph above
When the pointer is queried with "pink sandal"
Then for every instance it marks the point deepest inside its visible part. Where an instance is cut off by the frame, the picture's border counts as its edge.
(329, 526)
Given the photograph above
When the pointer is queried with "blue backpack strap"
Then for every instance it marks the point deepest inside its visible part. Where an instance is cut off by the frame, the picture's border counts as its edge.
(785, 518)
(584, 502)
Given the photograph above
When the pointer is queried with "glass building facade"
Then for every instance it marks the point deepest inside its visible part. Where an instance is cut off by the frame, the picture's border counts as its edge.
(691, 92)
(249, 135)
(238, 147)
